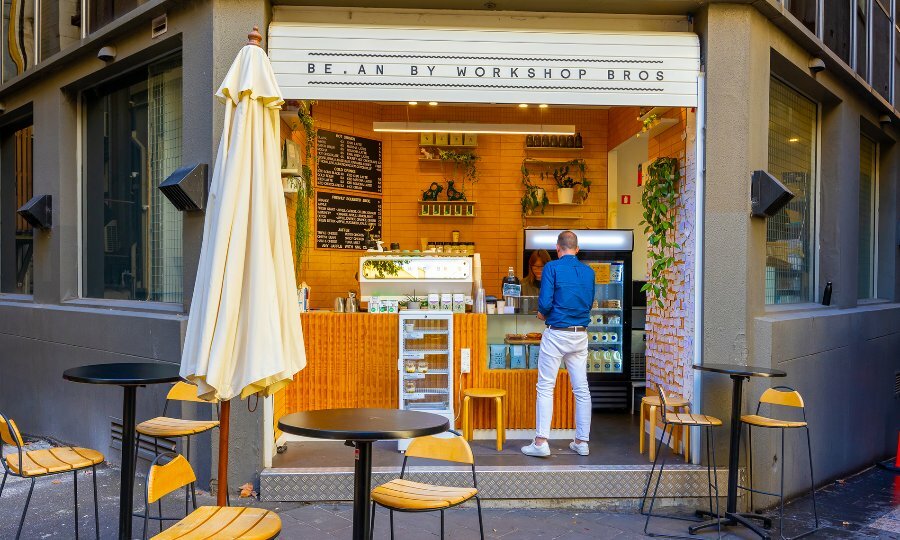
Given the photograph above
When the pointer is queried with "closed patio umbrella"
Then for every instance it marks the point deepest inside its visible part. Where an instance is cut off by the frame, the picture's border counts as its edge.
(244, 334)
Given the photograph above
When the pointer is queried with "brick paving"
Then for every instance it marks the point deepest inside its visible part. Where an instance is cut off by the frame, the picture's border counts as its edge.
(866, 505)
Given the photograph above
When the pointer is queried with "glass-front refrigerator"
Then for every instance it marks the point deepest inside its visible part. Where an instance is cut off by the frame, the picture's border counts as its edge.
(426, 364)
(608, 253)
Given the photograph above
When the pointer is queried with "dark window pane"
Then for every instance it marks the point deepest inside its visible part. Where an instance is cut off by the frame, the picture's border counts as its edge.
(837, 27)
(881, 52)
(862, 48)
(792, 157)
(18, 37)
(805, 11)
(133, 240)
(16, 235)
(866, 243)
(896, 68)
(60, 25)
(105, 11)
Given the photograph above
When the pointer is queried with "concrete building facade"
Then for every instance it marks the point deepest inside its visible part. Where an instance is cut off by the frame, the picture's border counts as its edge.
(842, 357)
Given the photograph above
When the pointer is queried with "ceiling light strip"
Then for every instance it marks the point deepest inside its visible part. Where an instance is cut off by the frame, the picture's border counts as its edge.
(471, 127)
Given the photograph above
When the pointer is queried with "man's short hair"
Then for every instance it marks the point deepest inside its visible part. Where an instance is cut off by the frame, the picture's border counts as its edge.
(567, 240)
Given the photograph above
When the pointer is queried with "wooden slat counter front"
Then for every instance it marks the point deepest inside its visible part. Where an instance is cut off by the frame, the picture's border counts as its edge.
(351, 361)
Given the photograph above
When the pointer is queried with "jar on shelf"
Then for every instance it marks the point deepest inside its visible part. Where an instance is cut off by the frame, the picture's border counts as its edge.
(410, 387)
(410, 366)
(439, 247)
(423, 366)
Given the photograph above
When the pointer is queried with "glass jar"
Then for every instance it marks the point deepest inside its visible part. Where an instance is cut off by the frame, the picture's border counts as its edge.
(439, 247)
(430, 247)
(410, 387)
(423, 366)
(410, 366)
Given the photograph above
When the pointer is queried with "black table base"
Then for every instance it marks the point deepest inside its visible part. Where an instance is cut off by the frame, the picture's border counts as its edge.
(362, 489)
(731, 519)
(126, 485)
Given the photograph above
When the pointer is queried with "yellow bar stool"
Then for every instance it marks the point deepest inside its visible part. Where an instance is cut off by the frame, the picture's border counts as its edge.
(649, 409)
(780, 396)
(499, 397)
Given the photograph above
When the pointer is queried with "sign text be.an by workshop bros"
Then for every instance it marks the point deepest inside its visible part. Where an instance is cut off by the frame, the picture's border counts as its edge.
(479, 72)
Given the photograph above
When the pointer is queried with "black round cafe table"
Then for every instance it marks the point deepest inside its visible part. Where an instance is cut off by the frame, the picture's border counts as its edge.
(732, 517)
(360, 428)
(129, 376)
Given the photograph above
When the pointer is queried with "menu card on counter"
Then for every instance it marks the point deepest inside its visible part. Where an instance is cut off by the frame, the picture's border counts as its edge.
(348, 162)
(341, 220)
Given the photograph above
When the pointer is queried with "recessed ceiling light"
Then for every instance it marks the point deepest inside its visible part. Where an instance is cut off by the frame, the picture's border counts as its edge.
(523, 105)
(432, 103)
(543, 105)
(413, 102)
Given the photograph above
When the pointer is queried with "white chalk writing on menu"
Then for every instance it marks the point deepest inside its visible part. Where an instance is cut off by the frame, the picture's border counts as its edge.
(348, 162)
(342, 220)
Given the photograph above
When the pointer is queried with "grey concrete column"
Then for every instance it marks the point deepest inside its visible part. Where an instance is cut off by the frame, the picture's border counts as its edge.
(838, 211)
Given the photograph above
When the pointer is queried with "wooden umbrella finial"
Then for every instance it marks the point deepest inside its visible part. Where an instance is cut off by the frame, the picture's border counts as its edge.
(254, 37)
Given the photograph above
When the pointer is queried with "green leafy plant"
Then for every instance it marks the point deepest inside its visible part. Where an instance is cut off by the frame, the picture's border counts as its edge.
(648, 123)
(658, 200)
(305, 188)
(535, 196)
(384, 268)
(463, 165)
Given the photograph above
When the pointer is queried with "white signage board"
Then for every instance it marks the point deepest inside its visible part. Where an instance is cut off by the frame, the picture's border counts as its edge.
(380, 63)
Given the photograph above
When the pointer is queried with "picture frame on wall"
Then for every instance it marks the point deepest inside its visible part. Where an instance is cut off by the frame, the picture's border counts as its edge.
(441, 139)
(470, 139)
(456, 139)
(426, 139)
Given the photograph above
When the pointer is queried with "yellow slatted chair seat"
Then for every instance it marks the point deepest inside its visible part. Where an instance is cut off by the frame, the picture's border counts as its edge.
(53, 460)
(671, 401)
(162, 426)
(763, 421)
(224, 523)
(402, 494)
(692, 419)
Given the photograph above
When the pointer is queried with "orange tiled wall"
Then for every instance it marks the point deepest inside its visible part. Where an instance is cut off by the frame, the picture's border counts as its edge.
(497, 226)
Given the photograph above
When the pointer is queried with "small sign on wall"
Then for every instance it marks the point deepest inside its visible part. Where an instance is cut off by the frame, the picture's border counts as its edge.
(626, 199)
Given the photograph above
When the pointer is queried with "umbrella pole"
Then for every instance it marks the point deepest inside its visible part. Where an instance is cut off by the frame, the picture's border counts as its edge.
(224, 418)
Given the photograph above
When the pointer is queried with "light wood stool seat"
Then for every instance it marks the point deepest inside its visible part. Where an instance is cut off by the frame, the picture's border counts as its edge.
(649, 409)
(499, 397)
(233, 522)
(53, 460)
(163, 426)
(762, 421)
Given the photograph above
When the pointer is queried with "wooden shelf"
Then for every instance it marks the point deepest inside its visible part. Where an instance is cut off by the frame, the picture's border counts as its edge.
(447, 209)
(551, 203)
(551, 217)
(557, 148)
(551, 161)
(661, 125)
(658, 111)
(448, 146)
(521, 341)
(290, 172)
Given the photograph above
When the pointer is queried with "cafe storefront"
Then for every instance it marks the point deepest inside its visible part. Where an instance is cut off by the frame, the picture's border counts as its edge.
(427, 131)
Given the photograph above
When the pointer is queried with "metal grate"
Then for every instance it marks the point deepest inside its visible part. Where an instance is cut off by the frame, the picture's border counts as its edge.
(897, 384)
(638, 366)
(145, 446)
(792, 144)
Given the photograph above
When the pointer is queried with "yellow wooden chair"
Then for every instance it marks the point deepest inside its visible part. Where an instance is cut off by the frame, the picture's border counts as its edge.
(35, 464)
(219, 522)
(405, 496)
(780, 396)
(680, 420)
(166, 427)
(649, 406)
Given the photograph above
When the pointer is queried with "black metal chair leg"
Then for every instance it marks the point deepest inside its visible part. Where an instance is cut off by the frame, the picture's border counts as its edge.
(662, 467)
(712, 459)
(25, 510)
(442, 525)
(159, 503)
(96, 506)
(652, 467)
(75, 490)
(781, 490)
(812, 481)
(372, 524)
(188, 490)
(750, 464)
(480, 520)
(391, 517)
(709, 473)
(3, 483)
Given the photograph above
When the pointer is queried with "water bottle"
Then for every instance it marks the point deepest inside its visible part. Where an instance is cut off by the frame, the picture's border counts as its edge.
(511, 285)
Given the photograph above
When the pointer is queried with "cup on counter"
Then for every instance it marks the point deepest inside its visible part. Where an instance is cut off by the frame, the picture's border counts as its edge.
(501, 306)
(491, 308)
(410, 327)
(434, 301)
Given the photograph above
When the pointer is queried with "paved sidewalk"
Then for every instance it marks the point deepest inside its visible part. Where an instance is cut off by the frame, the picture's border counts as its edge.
(863, 506)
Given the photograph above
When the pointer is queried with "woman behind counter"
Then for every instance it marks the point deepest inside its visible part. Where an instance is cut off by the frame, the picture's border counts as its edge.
(531, 285)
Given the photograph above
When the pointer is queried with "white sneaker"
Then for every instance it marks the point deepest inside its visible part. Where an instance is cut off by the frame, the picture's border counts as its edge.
(579, 448)
(535, 450)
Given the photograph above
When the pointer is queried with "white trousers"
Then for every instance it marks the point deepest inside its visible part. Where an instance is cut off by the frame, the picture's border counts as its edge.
(571, 347)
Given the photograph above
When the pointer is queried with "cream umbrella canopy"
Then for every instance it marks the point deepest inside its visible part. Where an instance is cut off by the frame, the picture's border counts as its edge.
(243, 333)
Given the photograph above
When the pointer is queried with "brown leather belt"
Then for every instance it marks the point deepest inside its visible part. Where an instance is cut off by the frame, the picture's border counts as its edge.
(569, 328)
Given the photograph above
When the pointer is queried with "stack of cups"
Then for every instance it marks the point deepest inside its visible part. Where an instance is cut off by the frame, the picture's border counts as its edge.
(480, 302)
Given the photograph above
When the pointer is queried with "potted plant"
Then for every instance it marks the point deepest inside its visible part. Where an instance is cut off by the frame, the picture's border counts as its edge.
(414, 302)
(534, 197)
(565, 185)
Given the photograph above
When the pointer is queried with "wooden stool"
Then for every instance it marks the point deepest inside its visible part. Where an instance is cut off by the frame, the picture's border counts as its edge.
(499, 396)
(649, 408)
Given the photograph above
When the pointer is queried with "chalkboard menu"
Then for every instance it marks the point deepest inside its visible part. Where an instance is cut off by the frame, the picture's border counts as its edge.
(348, 162)
(341, 220)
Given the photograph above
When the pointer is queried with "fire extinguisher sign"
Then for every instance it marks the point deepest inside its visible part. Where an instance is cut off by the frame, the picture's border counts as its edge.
(626, 199)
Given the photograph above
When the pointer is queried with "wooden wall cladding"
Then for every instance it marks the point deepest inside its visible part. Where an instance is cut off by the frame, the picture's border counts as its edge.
(351, 361)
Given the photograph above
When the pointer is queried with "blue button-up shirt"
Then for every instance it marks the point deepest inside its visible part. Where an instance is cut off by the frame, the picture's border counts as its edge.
(567, 292)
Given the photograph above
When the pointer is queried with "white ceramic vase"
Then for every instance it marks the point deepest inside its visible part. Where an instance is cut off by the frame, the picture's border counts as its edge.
(565, 195)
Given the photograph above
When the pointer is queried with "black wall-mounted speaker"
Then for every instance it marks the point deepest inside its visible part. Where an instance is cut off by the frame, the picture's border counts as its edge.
(38, 212)
(187, 187)
(767, 195)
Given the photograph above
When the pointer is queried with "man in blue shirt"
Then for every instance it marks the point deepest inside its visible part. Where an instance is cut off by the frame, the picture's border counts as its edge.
(564, 304)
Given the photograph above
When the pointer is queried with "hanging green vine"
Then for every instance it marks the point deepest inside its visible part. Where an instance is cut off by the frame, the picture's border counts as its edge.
(659, 199)
(306, 190)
